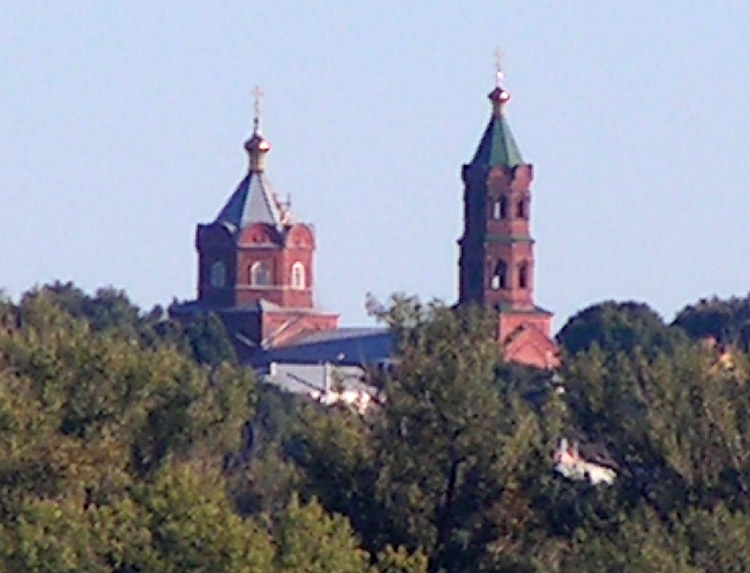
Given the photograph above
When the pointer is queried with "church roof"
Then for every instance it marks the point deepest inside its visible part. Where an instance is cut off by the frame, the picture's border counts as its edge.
(352, 346)
(252, 202)
(498, 148)
(510, 308)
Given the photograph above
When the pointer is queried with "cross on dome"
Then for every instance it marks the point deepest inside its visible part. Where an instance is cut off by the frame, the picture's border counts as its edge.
(257, 146)
(499, 96)
(498, 68)
(498, 147)
(258, 95)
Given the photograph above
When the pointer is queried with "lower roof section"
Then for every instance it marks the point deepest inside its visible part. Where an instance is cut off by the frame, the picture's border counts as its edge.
(343, 346)
(508, 308)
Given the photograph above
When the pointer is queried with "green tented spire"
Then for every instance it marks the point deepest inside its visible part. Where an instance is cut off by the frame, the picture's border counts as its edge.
(498, 148)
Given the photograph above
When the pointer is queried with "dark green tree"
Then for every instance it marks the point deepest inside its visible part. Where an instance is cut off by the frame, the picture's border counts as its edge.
(111, 311)
(448, 455)
(401, 561)
(725, 320)
(193, 526)
(618, 327)
(309, 540)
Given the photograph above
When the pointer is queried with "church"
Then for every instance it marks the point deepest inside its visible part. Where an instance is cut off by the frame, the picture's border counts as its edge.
(256, 268)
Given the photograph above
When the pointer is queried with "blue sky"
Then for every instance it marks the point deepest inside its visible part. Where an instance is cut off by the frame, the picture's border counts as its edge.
(122, 123)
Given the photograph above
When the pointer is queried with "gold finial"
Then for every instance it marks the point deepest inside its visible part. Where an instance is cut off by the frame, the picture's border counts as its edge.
(499, 96)
(258, 94)
(498, 68)
(257, 146)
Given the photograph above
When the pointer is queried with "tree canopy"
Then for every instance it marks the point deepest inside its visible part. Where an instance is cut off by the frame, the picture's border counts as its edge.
(725, 320)
(129, 442)
(618, 327)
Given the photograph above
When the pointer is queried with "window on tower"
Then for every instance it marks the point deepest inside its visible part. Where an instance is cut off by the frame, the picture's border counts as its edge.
(298, 276)
(218, 275)
(523, 276)
(522, 209)
(260, 273)
(500, 208)
(498, 280)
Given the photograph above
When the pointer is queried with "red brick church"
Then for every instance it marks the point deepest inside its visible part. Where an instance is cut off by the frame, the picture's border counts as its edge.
(256, 262)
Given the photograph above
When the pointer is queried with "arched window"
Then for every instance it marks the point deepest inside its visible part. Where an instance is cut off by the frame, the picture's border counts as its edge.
(523, 275)
(298, 276)
(218, 274)
(498, 280)
(260, 273)
(500, 208)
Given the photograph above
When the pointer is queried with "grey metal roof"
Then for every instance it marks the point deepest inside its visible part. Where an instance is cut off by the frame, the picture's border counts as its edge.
(196, 306)
(346, 346)
(340, 334)
(307, 378)
(252, 202)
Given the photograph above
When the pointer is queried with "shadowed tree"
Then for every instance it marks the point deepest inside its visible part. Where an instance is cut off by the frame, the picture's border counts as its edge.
(454, 443)
(618, 327)
(725, 320)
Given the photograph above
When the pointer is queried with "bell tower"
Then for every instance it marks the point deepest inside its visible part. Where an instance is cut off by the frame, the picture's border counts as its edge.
(496, 261)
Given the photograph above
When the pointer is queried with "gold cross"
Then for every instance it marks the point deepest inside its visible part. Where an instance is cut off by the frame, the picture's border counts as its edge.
(258, 94)
(498, 67)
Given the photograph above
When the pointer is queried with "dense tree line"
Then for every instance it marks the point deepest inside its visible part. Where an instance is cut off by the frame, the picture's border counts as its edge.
(130, 442)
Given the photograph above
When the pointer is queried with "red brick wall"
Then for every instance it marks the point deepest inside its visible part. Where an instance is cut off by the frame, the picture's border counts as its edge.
(257, 243)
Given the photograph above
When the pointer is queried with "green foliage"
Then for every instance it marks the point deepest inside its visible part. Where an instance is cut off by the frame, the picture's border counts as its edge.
(618, 327)
(112, 449)
(194, 528)
(110, 310)
(208, 340)
(727, 321)
(100, 387)
(679, 425)
(401, 561)
(441, 468)
(65, 535)
(641, 545)
(49, 536)
(311, 541)
(262, 479)
(719, 539)
(336, 454)
(451, 445)
(131, 443)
